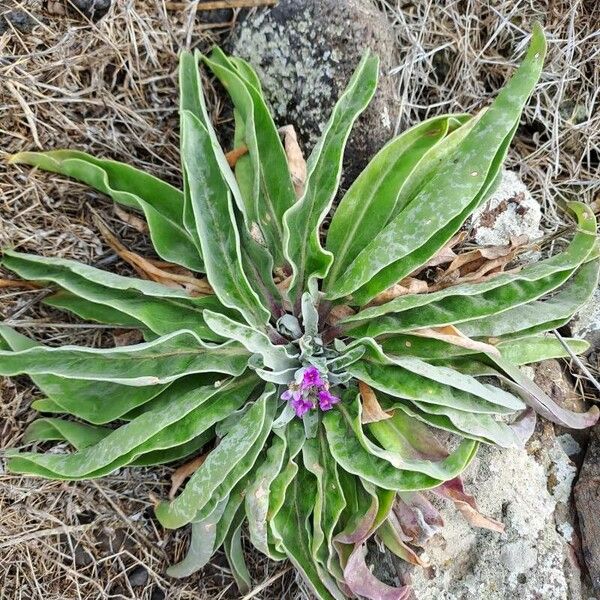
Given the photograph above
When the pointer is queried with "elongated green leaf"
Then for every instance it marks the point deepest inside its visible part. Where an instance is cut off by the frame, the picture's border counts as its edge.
(160, 315)
(78, 435)
(164, 427)
(367, 206)
(167, 455)
(274, 357)
(202, 544)
(258, 493)
(431, 161)
(92, 311)
(330, 501)
(93, 401)
(273, 192)
(104, 278)
(301, 222)
(454, 187)
(519, 352)
(160, 361)
(475, 425)
(417, 258)
(540, 315)
(161, 203)
(205, 482)
(348, 452)
(539, 347)
(462, 303)
(406, 384)
(216, 224)
(443, 422)
(401, 453)
(256, 260)
(235, 557)
(292, 527)
(245, 462)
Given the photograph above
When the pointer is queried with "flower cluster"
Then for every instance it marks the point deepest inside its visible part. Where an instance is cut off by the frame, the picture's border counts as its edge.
(309, 390)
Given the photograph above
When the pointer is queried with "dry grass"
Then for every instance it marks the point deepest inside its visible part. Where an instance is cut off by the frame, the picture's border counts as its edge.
(110, 88)
(456, 54)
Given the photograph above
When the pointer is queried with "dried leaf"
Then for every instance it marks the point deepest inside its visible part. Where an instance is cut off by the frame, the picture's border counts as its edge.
(465, 503)
(371, 409)
(183, 472)
(127, 337)
(19, 284)
(445, 255)
(395, 538)
(408, 285)
(478, 265)
(452, 335)
(363, 583)
(170, 275)
(234, 155)
(417, 517)
(339, 312)
(295, 158)
(132, 220)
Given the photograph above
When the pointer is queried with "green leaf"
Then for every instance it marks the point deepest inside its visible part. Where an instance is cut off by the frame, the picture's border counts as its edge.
(519, 352)
(161, 203)
(274, 357)
(301, 222)
(330, 501)
(92, 311)
(403, 383)
(367, 206)
(78, 435)
(452, 191)
(93, 401)
(202, 544)
(539, 347)
(136, 298)
(291, 525)
(401, 453)
(152, 363)
(172, 422)
(258, 494)
(273, 192)
(540, 315)
(204, 484)
(235, 557)
(216, 223)
(465, 302)
(348, 452)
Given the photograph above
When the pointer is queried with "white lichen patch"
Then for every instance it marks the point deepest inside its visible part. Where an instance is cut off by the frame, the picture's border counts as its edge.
(527, 561)
(508, 213)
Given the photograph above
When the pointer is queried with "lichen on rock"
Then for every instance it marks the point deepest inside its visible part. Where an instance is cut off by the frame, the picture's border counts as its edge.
(532, 559)
(509, 212)
(305, 51)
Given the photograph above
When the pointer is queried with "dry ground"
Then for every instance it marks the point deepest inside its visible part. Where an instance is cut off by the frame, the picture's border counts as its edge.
(110, 88)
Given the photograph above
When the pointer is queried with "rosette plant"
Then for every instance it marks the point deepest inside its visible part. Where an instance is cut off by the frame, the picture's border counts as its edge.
(311, 368)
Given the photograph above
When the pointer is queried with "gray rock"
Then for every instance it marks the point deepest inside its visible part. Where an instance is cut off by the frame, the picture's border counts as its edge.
(19, 20)
(532, 560)
(587, 501)
(305, 52)
(508, 213)
(138, 576)
(93, 9)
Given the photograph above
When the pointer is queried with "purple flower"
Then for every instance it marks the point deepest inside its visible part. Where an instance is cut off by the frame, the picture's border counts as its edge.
(327, 400)
(301, 405)
(291, 394)
(311, 378)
